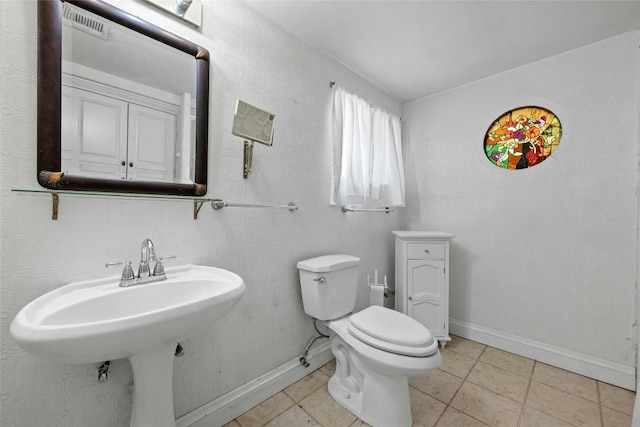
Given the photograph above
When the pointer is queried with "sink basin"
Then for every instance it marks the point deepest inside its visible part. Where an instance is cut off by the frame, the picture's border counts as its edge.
(97, 320)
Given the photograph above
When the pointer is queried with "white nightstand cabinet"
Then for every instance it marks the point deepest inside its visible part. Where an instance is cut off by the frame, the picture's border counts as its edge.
(422, 279)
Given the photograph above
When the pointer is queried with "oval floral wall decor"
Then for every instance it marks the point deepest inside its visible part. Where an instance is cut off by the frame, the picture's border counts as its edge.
(522, 137)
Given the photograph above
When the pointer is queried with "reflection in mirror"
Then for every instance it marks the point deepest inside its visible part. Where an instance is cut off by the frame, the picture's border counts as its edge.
(125, 113)
(132, 105)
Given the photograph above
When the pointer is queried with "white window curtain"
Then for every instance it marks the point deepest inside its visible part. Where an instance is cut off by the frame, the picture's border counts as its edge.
(367, 154)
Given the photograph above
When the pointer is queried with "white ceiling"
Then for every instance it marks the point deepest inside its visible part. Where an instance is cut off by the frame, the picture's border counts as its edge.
(411, 49)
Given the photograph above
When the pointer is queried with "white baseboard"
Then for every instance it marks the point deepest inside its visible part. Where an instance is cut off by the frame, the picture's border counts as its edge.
(229, 406)
(603, 370)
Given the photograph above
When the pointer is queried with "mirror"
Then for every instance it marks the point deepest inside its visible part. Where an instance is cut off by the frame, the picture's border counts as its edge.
(122, 104)
(253, 123)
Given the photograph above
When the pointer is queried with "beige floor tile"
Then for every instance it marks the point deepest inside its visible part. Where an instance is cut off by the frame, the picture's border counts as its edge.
(533, 418)
(502, 382)
(563, 406)
(307, 385)
(294, 416)
(329, 369)
(616, 398)
(486, 406)
(454, 418)
(496, 382)
(508, 361)
(611, 418)
(425, 410)
(456, 363)
(438, 384)
(566, 381)
(465, 346)
(266, 411)
(321, 406)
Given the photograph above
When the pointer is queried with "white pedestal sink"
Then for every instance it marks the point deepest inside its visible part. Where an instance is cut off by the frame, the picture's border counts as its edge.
(97, 320)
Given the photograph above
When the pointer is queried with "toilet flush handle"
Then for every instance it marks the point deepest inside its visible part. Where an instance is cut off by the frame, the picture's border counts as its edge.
(320, 279)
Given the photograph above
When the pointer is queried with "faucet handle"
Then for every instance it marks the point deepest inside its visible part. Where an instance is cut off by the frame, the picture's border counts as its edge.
(110, 264)
(127, 272)
(143, 269)
(158, 270)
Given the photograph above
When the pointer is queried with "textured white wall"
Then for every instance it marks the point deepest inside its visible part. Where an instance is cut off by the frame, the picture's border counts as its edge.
(252, 60)
(548, 253)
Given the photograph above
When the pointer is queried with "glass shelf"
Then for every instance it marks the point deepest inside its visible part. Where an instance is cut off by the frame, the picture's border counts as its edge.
(216, 204)
(197, 201)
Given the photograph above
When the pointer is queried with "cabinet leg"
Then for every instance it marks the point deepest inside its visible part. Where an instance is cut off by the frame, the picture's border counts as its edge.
(443, 343)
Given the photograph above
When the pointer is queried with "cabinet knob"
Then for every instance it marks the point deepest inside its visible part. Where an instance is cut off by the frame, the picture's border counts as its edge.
(131, 164)
(426, 250)
(123, 163)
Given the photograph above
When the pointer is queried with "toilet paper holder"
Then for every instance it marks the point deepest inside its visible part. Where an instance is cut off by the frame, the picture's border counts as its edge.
(387, 290)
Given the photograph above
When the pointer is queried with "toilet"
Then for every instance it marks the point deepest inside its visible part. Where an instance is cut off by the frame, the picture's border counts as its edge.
(376, 349)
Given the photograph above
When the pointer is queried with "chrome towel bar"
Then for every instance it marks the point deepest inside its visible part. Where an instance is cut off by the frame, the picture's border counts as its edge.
(218, 204)
(353, 209)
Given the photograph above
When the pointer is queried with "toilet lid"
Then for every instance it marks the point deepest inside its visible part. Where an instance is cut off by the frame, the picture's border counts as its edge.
(392, 331)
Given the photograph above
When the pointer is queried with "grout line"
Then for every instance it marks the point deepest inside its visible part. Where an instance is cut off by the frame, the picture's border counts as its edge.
(431, 397)
(599, 403)
(325, 386)
(280, 413)
(464, 380)
(312, 417)
(262, 423)
(526, 395)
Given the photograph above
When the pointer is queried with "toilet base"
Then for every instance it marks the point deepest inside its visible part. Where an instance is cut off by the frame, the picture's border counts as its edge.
(378, 399)
(386, 400)
(346, 398)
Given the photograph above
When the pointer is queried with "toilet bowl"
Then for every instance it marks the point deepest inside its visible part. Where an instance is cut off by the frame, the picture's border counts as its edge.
(376, 349)
(371, 382)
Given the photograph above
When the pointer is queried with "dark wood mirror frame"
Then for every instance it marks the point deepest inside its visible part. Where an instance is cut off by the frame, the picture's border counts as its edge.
(49, 125)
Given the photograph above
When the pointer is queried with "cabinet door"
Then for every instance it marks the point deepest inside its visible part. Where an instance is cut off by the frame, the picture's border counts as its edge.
(152, 140)
(94, 135)
(426, 299)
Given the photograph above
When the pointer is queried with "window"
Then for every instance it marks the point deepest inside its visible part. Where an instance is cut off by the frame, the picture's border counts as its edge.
(522, 137)
(367, 154)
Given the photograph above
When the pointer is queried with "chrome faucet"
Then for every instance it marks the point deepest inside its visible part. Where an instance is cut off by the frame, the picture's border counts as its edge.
(147, 255)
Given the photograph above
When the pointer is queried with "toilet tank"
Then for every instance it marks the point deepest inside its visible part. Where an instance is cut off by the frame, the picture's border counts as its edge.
(329, 285)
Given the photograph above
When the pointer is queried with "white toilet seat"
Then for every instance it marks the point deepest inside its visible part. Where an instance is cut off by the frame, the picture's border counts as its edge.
(391, 331)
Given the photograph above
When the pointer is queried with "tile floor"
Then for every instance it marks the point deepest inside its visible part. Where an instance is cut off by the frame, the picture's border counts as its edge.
(476, 386)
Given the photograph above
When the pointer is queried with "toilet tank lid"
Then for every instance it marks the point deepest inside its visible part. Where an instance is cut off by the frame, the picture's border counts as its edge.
(324, 263)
